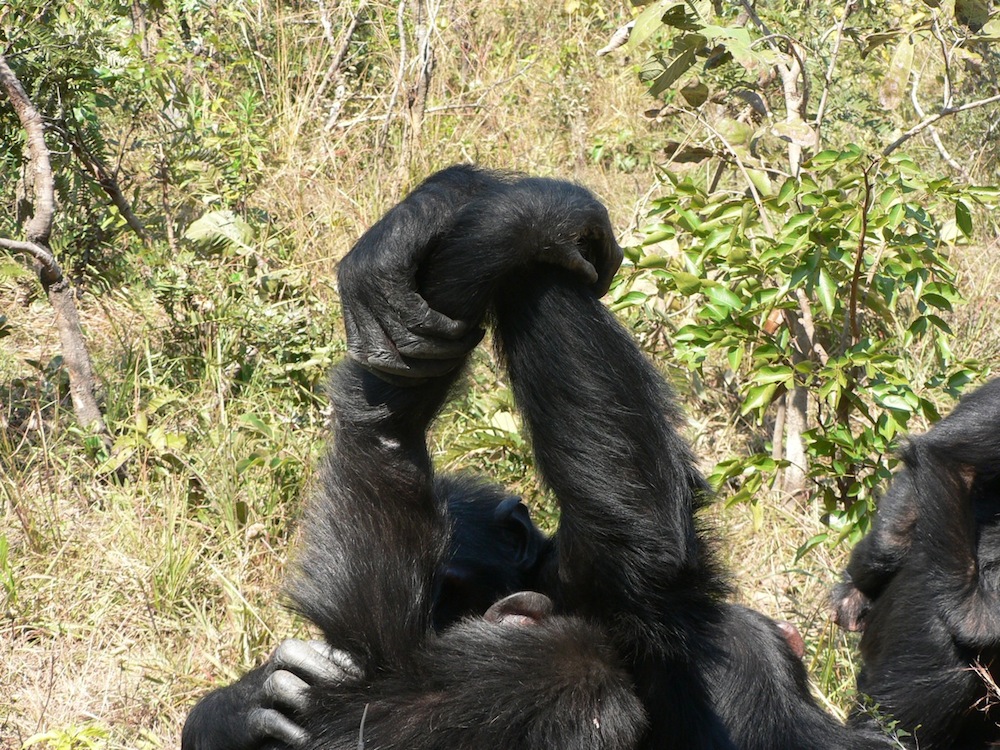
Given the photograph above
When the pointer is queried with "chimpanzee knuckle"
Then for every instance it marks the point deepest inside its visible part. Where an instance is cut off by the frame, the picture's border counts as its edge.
(425, 348)
(344, 665)
(287, 652)
(268, 723)
(285, 689)
(439, 325)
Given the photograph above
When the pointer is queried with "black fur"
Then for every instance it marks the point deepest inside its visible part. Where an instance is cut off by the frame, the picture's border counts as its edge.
(927, 578)
(643, 651)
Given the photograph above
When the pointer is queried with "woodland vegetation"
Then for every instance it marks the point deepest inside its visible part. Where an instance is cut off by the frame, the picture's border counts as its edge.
(805, 192)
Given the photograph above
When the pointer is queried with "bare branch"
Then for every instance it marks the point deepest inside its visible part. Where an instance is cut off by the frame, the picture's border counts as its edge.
(57, 288)
(108, 182)
(946, 56)
(400, 74)
(37, 252)
(828, 78)
(852, 318)
(933, 119)
(935, 136)
(340, 51)
(39, 227)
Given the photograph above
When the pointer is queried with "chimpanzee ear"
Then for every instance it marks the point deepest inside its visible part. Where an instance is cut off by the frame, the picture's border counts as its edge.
(513, 515)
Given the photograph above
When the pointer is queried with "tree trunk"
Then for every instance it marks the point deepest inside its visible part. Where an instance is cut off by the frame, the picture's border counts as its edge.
(57, 287)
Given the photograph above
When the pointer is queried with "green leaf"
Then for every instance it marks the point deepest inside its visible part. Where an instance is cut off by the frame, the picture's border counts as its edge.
(695, 93)
(631, 299)
(788, 189)
(797, 132)
(810, 544)
(774, 374)
(689, 45)
(722, 296)
(735, 357)
(679, 17)
(876, 40)
(220, 228)
(758, 397)
(963, 217)
(826, 288)
(687, 283)
(972, 13)
(761, 181)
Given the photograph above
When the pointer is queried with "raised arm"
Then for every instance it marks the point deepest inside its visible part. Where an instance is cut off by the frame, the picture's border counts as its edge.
(601, 424)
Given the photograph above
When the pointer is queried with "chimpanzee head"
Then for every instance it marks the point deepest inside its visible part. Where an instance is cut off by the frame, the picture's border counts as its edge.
(495, 549)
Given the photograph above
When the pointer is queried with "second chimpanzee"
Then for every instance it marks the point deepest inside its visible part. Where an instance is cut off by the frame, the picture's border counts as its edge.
(629, 642)
(923, 585)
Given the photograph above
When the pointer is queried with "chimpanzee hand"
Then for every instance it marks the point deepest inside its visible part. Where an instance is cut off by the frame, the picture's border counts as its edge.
(258, 711)
(390, 327)
(850, 607)
(416, 286)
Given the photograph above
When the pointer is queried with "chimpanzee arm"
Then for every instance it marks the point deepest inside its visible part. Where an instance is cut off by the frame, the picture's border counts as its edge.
(374, 535)
(600, 420)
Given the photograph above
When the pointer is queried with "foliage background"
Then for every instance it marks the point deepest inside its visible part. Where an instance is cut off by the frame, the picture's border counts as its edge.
(213, 162)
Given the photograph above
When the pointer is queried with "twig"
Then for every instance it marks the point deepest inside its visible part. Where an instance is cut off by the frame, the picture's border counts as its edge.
(946, 55)
(929, 121)
(828, 78)
(746, 175)
(333, 71)
(37, 252)
(401, 26)
(935, 136)
(860, 253)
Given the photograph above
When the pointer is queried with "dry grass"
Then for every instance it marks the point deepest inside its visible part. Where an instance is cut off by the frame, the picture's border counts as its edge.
(121, 605)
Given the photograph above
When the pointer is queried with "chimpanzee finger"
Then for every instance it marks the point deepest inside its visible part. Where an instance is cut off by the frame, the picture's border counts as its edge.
(370, 345)
(314, 661)
(269, 723)
(422, 320)
(414, 370)
(343, 662)
(422, 347)
(282, 689)
(607, 266)
(571, 258)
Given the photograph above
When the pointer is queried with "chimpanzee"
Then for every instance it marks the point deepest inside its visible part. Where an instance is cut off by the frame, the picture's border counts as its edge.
(923, 585)
(621, 638)
(494, 550)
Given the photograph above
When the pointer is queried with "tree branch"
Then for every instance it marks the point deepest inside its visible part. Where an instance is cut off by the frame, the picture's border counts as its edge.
(828, 78)
(37, 252)
(39, 227)
(929, 121)
(935, 136)
(57, 287)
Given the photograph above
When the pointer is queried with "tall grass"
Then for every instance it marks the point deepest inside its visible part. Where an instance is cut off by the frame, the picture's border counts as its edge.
(123, 602)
